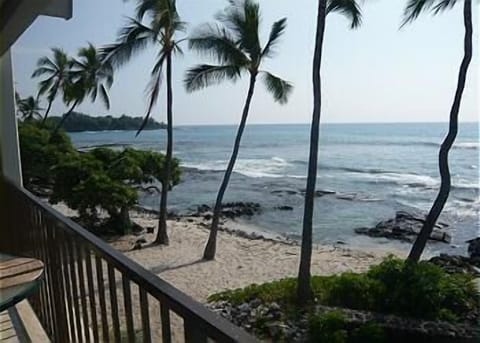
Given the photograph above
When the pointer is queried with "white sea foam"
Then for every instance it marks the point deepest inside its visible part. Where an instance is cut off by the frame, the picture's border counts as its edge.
(274, 167)
(467, 145)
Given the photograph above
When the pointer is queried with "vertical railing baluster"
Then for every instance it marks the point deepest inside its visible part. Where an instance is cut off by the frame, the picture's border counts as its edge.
(58, 293)
(68, 288)
(91, 291)
(165, 318)
(145, 316)
(113, 302)
(101, 296)
(127, 300)
(83, 293)
(48, 277)
(74, 284)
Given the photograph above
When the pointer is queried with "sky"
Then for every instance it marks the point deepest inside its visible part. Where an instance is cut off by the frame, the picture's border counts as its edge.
(378, 73)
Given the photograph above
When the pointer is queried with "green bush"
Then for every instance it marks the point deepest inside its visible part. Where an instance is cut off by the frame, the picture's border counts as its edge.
(420, 290)
(329, 327)
(40, 150)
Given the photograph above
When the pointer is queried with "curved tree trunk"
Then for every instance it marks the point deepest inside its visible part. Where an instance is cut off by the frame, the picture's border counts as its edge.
(47, 111)
(66, 115)
(211, 247)
(304, 289)
(444, 191)
(162, 236)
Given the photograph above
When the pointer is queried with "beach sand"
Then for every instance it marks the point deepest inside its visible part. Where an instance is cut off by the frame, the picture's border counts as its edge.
(239, 261)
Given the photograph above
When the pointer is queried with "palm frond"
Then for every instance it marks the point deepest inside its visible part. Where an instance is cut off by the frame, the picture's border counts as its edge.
(278, 28)
(349, 8)
(132, 39)
(205, 75)
(153, 90)
(157, 68)
(104, 97)
(215, 41)
(415, 7)
(45, 85)
(243, 18)
(279, 88)
(42, 71)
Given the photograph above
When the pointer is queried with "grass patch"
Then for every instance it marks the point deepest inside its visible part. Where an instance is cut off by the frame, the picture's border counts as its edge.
(420, 290)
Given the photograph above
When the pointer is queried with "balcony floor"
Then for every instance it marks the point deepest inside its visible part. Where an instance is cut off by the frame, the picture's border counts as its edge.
(20, 324)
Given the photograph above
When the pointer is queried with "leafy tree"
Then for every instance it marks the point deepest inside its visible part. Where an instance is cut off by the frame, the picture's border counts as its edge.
(163, 24)
(90, 76)
(40, 150)
(57, 72)
(234, 42)
(78, 122)
(104, 179)
(413, 9)
(29, 108)
(350, 9)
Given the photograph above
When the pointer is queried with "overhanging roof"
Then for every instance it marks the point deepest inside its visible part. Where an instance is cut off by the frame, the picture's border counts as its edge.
(17, 15)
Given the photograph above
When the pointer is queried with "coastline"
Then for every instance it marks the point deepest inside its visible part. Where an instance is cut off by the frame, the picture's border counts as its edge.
(240, 261)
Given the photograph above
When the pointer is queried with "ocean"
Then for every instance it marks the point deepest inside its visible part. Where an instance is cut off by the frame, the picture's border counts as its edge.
(374, 170)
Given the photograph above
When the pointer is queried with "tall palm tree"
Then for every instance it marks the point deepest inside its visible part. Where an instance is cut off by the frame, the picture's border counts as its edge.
(89, 76)
(56, 70)
(349, 8)
(234, 42)
(160, 30)
(413, 9)
(29, 108)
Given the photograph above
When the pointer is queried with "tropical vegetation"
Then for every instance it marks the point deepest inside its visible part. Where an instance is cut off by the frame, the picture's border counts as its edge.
(28, 108)
(78, 122)
(349, 8)
(235, 44)
(162, 25)
(74, 78)
(413, 9)
(422, 290)
(101, 184)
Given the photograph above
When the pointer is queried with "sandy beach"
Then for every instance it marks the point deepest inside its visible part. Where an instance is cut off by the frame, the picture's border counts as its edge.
(239, 262)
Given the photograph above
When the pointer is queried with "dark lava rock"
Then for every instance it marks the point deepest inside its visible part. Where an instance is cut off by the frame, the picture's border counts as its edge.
(284, 208)
(230, 210)
(150, 229)
(405, 226)
(455, 264)
(474, 247)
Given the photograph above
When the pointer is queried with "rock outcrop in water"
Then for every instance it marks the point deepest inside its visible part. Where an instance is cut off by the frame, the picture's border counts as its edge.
(405, 227)
(230, 210)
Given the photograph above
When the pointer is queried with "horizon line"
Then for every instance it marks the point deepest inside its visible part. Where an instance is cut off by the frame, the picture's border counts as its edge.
(336, 123)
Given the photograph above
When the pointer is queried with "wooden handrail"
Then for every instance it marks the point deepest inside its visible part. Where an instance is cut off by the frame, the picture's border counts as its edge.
(194, 314)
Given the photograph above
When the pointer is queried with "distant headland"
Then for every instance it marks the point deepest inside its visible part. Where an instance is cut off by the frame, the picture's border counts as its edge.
(78, 122)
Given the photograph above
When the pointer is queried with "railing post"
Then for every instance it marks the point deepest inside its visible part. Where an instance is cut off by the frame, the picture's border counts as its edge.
(58, 294)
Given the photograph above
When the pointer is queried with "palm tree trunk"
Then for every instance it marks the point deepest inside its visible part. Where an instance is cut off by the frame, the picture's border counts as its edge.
(47, 111)
(162, 236)
(211, 247)
(66, 115)
(444, 191)
(304, 289)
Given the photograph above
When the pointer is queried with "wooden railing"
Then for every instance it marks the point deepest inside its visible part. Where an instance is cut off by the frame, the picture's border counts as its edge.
(93, 293)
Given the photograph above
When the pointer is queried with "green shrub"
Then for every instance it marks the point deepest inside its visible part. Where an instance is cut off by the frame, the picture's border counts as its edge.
(329, 327)
(418, 290)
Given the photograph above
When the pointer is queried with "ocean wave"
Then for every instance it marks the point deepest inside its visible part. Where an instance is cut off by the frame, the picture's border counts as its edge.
(467, 145)
(274, 167)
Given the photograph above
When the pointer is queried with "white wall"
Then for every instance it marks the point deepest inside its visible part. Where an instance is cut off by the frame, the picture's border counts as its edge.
(9, 147)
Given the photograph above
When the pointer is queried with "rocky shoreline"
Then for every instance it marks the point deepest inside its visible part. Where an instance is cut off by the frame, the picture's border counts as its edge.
(405, 227)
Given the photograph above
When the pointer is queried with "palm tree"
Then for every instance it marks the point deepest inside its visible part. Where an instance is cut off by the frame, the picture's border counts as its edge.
(89, 76)
(163, 23)
(29, 108)
(351, 9)
(57, 71)
(413, 9)
(234, 42)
